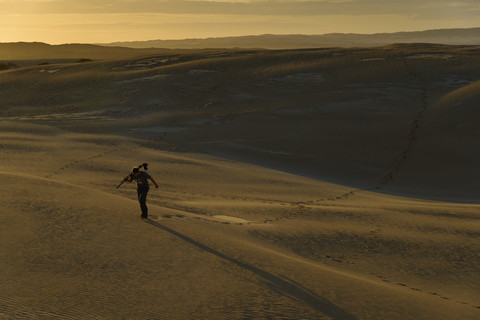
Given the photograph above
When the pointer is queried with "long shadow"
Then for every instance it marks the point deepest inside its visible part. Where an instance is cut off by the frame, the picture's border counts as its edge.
(282, 285)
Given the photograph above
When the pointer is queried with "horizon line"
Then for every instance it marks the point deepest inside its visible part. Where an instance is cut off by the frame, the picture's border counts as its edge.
(242, 36)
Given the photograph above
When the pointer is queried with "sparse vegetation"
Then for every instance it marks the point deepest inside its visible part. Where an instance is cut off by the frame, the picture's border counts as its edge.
(7, 65)
(83, 60)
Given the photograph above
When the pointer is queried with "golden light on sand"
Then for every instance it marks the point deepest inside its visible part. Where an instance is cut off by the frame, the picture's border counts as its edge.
(383, 213)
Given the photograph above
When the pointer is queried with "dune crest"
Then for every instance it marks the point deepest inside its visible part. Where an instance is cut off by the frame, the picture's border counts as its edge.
(459, 96)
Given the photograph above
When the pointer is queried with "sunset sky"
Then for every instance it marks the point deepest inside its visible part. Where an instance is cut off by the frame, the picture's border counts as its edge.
(97, 21)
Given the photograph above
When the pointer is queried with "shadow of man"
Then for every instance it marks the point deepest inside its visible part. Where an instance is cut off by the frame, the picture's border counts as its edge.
(281, 285)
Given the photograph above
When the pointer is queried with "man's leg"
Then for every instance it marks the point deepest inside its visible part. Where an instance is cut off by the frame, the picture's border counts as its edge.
(142, 199)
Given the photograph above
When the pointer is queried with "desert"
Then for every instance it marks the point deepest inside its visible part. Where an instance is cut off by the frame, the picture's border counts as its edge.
(327, 183)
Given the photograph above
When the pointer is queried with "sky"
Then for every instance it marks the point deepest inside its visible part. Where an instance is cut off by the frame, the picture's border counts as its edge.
(103, 21)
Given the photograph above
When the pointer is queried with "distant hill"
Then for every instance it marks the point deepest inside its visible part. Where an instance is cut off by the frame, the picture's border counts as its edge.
(442, 36)
(18, 51)
(38, 50)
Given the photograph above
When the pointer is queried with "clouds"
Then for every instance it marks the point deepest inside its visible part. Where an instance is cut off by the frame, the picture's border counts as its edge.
(244, 7)
(57, 21)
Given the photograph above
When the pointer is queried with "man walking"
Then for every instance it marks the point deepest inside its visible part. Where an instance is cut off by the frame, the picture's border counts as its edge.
(141, 177)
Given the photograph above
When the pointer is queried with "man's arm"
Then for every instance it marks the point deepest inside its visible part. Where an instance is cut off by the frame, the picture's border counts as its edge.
(156, 185)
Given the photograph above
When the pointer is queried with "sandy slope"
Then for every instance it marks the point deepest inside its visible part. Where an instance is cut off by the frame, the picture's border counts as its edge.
(75, 248)
(229, 239)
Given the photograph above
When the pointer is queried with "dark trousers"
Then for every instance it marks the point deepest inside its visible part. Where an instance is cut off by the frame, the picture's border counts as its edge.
(142, 199)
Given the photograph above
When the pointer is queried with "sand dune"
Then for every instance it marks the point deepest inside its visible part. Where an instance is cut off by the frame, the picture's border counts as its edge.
(459, 107)
(309, 184)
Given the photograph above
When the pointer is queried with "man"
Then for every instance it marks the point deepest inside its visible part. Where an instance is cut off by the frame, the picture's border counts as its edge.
(141, 177)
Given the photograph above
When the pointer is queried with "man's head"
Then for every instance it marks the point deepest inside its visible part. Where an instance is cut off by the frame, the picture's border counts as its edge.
(135, 171)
